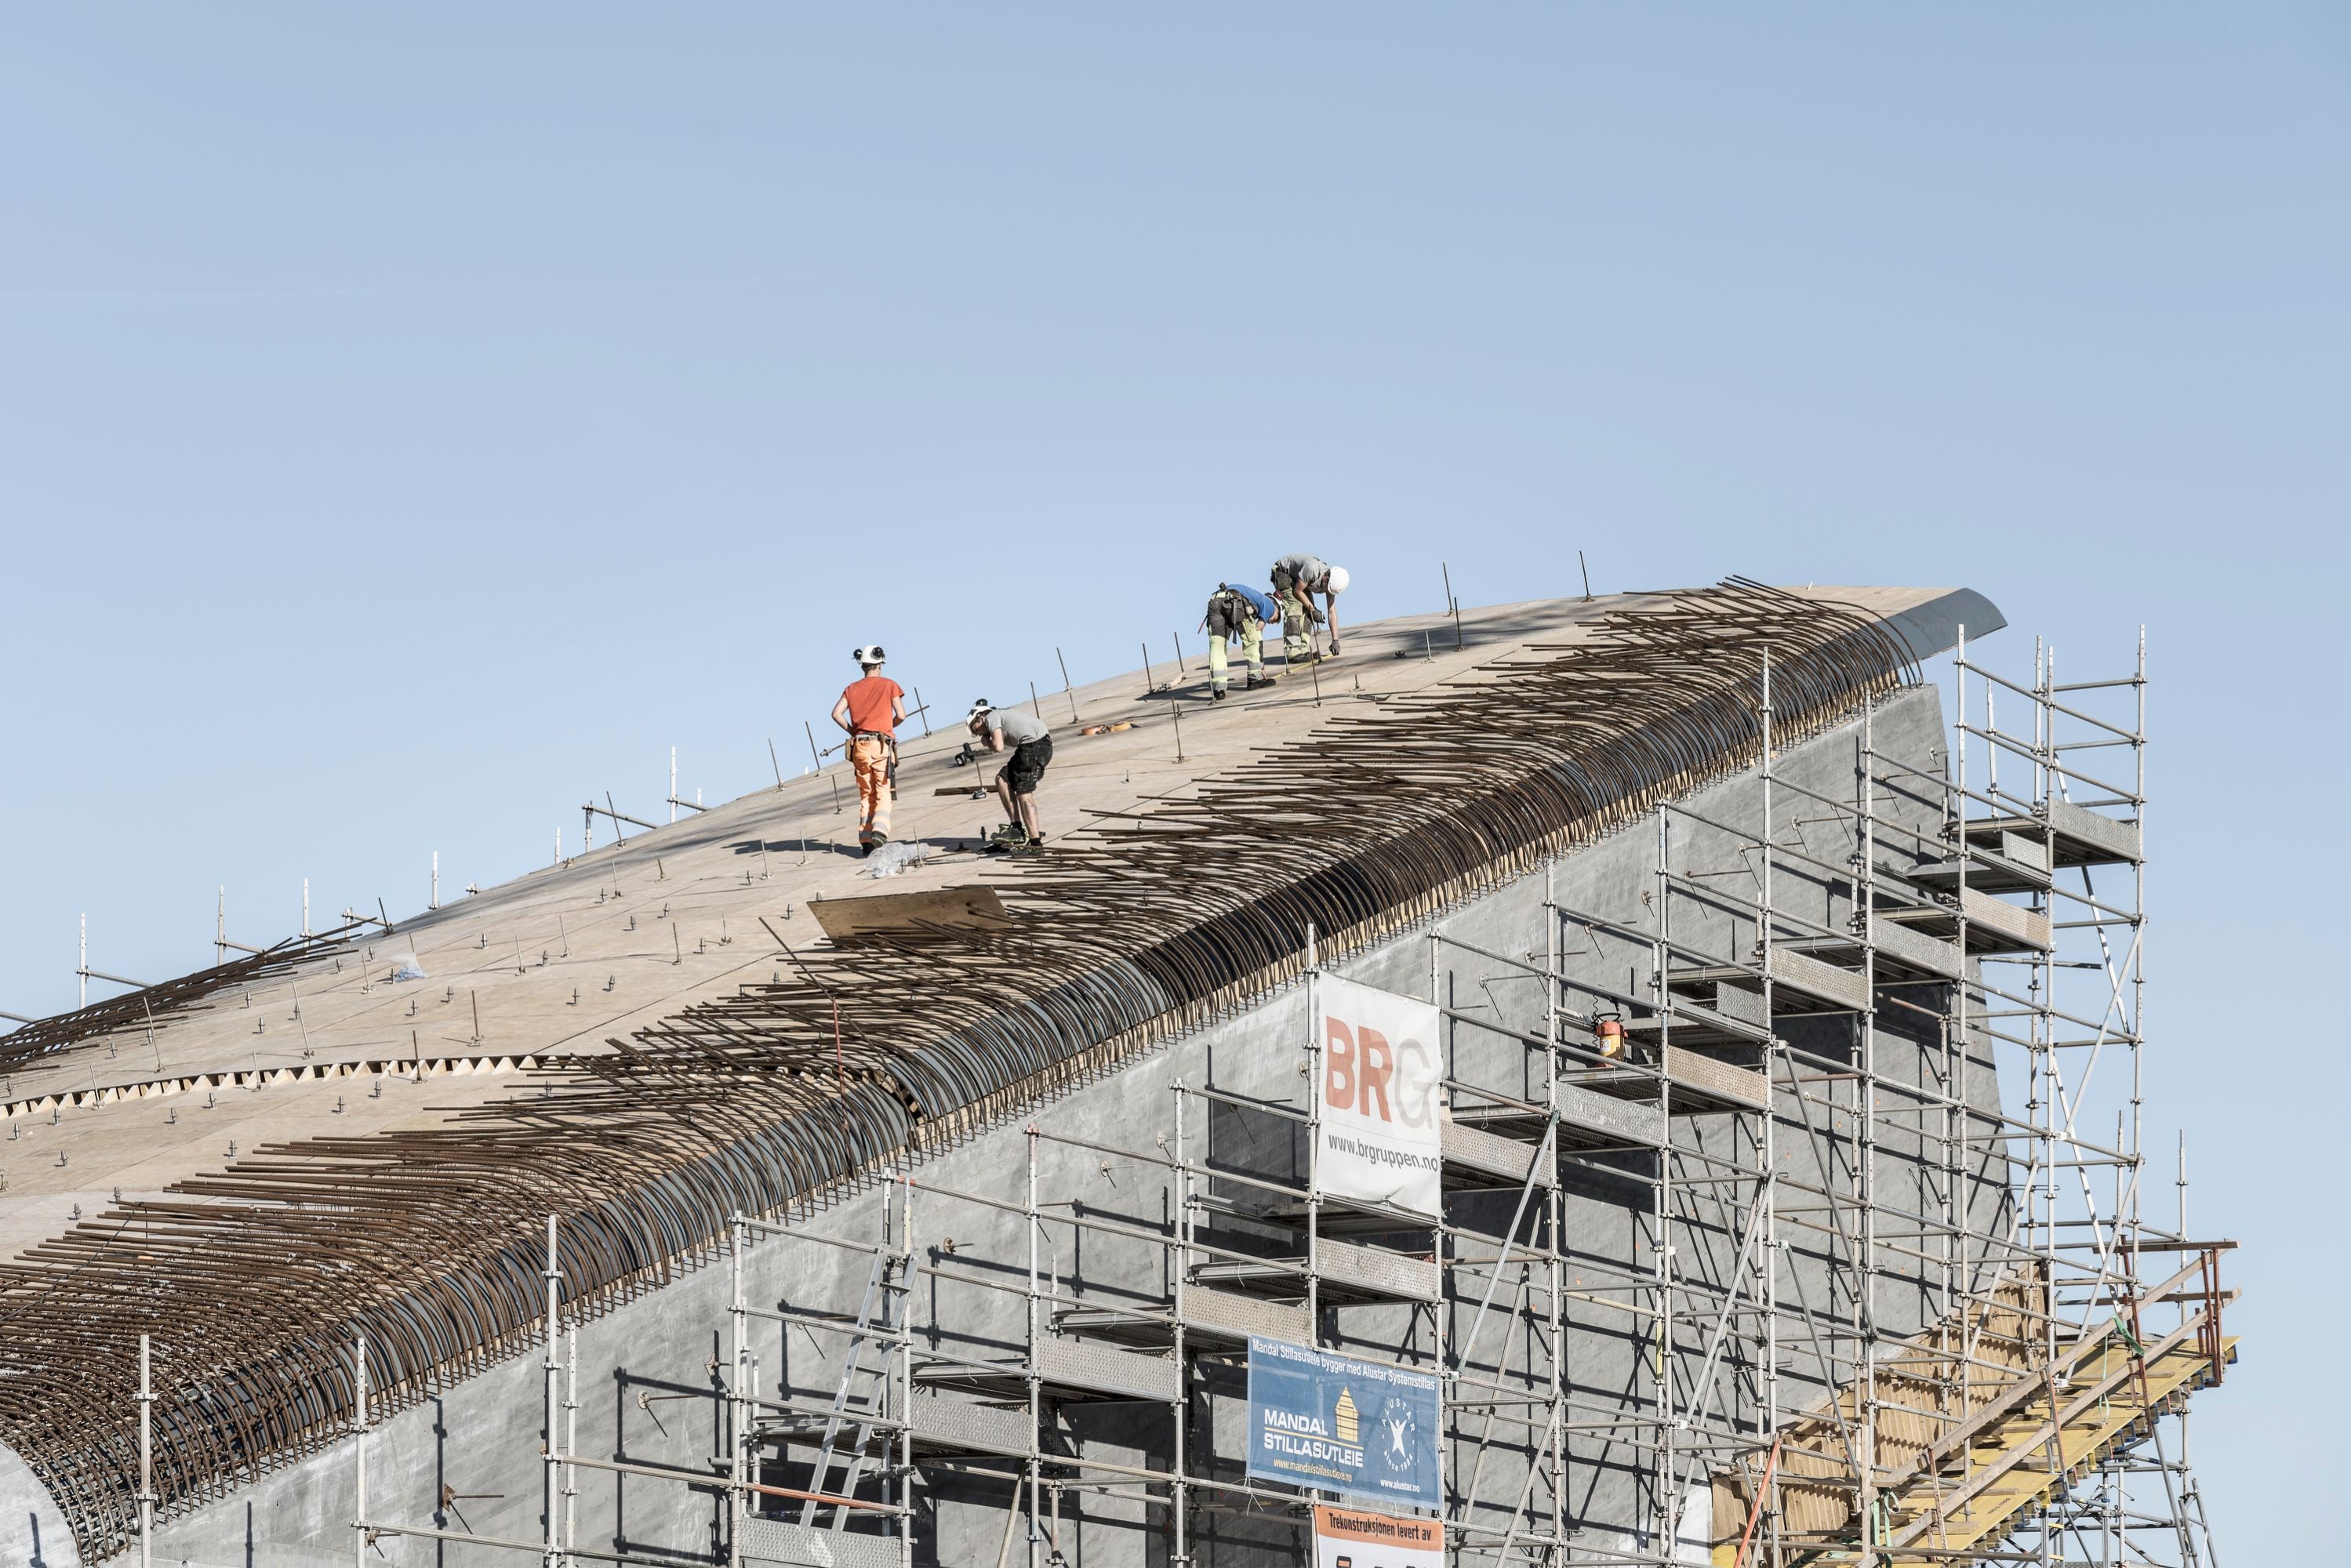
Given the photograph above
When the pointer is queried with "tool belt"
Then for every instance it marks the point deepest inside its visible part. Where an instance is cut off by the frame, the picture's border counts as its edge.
(1236, 612)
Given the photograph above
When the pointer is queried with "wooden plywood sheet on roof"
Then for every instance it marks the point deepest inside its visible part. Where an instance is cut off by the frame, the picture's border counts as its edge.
(971, 906)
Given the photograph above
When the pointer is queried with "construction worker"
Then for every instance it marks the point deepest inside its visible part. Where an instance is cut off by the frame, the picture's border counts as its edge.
(870, 709)
(1016, 782)
(1296, 578)
(1240, 614)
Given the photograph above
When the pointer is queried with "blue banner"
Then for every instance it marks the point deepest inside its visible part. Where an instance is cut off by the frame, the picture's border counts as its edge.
(1338, 1424)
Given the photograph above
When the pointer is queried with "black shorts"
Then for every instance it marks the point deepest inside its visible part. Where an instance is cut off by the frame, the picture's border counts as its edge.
(1026, 764)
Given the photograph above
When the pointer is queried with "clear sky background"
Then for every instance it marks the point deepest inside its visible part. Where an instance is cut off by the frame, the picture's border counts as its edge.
(415, 422)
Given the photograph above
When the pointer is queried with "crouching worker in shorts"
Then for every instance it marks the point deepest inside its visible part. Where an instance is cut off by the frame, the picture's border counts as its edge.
(1031, 744)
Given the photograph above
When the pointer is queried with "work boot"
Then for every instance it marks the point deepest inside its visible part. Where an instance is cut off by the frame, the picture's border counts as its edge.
(1266, 679)
(1215, 694)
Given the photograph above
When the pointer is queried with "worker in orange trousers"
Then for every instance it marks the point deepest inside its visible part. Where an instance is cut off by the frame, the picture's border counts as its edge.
(870, 709)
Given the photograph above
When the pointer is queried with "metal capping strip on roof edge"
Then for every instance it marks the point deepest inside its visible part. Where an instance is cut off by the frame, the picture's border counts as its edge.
(422, 1240)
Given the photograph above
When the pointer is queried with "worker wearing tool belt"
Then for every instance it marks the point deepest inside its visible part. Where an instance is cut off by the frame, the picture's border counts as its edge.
(1237, 614)
(1016, 781)
(870, 709)
(1296, 578)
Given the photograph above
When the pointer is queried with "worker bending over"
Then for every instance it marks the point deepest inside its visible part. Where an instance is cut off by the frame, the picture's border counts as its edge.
(1296, 578)
(870, 709)
(1239, 615)
(1016, 782)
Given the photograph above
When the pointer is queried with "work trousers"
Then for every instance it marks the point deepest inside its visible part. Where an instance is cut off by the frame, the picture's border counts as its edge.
(869, 758)
(1297, 626)
(1252, 642)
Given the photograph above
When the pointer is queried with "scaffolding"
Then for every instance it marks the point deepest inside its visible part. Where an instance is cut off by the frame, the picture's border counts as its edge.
(1857, 1071)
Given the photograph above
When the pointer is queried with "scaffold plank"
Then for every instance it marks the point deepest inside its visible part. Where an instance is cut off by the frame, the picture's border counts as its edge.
(2000, 919)
(1916, 950)
(1738, 1086)
(956, 1426)
(794, 1545)
(1349, 1269)
(1101, 1369)
(1986, 871)
(1823, 982)
(2086, 837)
(1589, 1121)
(1226, 1317)
(1475, 1157)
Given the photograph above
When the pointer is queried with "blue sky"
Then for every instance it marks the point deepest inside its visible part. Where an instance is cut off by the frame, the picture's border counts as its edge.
(413, 422)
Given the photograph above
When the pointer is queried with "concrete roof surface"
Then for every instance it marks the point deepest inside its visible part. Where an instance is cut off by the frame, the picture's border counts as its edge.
(563, 958)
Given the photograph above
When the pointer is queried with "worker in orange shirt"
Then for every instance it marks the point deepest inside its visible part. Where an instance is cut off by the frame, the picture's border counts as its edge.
(870, 709)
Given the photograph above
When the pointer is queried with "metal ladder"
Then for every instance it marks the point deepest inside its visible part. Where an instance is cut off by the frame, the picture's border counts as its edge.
(876, 1326)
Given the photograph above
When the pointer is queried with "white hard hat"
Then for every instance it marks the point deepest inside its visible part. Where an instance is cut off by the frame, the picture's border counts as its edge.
(1338, 580)
(982, 706)
(870, 654)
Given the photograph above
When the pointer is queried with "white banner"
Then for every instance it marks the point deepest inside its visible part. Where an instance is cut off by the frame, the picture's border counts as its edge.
(1381, 1133)
(1350, 1538)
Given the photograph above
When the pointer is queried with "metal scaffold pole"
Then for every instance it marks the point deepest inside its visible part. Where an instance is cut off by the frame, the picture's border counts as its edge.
(737, 1410)
(1865, 1166)
(551, 1470)
(1555, 1215)
(1035, 1469)
(146, 1455)
(359, 1449)
(1179, 1498)
(1773, 1057)
(903, 1485)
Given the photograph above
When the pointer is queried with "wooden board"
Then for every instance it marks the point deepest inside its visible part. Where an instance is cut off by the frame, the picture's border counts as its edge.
(972, 907)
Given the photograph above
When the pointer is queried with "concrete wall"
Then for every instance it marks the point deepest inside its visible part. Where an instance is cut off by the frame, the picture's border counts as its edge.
(649, 1371)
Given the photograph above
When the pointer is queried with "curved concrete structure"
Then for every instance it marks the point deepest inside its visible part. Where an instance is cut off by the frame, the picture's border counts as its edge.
(573, 963)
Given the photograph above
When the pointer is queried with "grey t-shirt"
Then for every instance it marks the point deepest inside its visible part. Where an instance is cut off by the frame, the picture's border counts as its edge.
(1309, 571)
(1019, 728)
